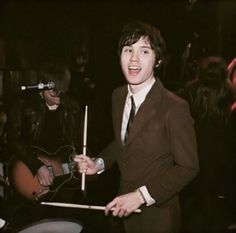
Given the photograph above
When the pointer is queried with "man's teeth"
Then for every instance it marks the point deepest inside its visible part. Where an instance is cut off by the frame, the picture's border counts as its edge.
(134, 68)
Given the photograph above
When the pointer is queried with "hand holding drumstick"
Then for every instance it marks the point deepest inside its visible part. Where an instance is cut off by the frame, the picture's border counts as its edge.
(121, 206)
(86, 165)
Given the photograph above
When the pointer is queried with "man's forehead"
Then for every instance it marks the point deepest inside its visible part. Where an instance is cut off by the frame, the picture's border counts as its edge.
(143, 42)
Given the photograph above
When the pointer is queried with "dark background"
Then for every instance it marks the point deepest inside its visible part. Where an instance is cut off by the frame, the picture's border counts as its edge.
(32, 31)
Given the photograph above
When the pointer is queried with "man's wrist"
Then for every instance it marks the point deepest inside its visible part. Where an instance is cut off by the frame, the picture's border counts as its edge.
(148, 198)
(99, 164)
(142, 198)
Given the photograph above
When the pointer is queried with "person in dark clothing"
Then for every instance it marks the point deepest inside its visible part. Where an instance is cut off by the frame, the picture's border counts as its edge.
(44, 132)
(208, 201)
(82, 87)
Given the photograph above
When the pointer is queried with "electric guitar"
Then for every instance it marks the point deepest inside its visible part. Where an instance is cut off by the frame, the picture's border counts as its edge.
(60, 163)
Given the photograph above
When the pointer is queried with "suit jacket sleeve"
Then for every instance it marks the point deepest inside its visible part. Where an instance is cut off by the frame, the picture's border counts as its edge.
(173, 177)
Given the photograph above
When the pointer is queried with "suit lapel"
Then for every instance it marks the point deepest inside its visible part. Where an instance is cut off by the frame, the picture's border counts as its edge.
(147, 110)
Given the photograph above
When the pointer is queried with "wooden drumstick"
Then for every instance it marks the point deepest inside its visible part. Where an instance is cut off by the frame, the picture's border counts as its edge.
(84, 145)
(69, 205)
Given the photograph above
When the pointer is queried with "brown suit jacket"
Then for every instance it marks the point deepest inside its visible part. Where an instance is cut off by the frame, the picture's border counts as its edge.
(160, 151)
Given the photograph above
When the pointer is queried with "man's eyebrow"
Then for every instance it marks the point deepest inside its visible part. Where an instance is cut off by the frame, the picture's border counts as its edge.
(146, 46)
(142, 46)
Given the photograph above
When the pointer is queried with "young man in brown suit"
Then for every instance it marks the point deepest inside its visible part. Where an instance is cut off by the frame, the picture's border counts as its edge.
(158, 158)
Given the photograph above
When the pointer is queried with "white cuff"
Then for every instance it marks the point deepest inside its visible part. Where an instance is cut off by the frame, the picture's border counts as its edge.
(100, 164)
(149, 200)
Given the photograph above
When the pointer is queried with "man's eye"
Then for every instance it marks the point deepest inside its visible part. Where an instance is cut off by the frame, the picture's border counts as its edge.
(127, 50)
(145, 51)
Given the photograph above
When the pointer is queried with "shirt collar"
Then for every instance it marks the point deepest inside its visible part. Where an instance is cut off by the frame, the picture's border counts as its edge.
(52, 107)
(140, 96)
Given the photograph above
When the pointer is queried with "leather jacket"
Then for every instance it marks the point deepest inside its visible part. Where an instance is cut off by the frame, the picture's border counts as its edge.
(24, 127)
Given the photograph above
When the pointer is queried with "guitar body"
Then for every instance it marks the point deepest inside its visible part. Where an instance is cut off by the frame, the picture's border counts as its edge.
(24, 183)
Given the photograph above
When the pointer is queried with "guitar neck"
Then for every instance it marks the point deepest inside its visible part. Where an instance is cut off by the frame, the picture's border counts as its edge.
(68, 167)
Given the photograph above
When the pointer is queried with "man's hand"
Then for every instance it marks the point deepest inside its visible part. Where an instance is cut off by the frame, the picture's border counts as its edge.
(45, 177)
(124, 205)
(86, 165)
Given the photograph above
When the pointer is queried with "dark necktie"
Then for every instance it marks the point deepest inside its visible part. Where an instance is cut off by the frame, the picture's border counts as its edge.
(131, 118)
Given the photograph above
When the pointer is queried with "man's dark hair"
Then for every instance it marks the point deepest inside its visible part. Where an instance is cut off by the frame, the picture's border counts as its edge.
(57, 73)
(214, 95)
(213, 71)
(134, 30)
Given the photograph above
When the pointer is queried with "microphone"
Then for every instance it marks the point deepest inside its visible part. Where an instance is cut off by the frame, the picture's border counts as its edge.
(40, 86)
